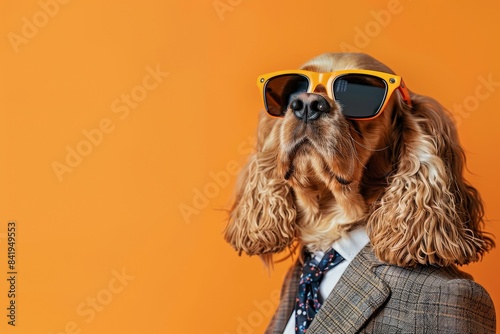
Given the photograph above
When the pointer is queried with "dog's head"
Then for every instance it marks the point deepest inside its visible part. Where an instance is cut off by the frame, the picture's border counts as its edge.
(325, 166)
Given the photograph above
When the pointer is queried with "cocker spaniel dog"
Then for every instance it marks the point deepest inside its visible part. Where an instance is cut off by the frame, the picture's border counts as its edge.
(365, 179)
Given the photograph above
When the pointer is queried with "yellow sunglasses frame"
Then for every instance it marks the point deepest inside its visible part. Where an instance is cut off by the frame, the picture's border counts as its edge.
(392, 81)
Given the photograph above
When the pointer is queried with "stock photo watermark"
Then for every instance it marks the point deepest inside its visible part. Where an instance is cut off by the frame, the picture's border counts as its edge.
(483, 91)
(223, 6)
(218, 181)
(88, 309)
(12, 271)
(364, 35)
(263, 310)
(30, 26)
(121, 107)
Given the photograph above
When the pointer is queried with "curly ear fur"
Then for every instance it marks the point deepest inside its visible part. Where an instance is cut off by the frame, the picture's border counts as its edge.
(428, 213)
(262, 219)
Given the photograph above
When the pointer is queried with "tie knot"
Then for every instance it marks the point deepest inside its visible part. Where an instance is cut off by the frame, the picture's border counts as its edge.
(313, 271)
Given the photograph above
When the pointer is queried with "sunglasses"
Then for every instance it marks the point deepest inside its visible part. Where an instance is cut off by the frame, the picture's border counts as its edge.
(361, 94)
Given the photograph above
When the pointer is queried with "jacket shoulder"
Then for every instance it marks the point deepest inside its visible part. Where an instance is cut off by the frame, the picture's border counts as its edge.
(439, 300)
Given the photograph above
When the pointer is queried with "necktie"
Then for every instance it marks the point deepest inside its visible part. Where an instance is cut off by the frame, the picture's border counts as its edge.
(307, 303)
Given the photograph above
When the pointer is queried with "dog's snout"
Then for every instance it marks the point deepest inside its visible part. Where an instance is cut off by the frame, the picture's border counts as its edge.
(309, 106)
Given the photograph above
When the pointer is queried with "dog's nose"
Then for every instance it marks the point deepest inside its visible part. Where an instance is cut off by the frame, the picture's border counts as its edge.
(309, 106)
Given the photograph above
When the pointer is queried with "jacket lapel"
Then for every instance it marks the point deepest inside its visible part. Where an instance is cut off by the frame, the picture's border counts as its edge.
(357, 295)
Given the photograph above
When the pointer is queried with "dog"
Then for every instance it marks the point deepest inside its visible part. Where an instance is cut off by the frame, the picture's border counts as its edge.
(347, 155)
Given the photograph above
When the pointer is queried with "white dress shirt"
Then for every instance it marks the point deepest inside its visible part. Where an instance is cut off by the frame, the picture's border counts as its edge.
(348, 247)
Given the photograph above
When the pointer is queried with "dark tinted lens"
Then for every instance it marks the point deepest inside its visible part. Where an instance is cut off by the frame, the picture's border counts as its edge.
(279, 90)
(360, 95)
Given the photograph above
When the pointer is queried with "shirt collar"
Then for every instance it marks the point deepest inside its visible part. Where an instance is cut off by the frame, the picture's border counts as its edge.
(349, 245)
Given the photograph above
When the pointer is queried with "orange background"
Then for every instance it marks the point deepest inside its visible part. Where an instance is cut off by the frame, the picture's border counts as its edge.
(175, 144)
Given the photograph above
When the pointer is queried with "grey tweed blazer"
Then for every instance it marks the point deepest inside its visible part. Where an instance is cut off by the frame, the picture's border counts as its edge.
(374, 297)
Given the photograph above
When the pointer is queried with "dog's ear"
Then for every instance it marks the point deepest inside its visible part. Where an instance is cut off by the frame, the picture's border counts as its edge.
(428, 214)
(262, 218)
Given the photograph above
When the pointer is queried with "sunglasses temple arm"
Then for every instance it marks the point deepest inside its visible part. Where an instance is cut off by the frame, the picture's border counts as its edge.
(405, 93)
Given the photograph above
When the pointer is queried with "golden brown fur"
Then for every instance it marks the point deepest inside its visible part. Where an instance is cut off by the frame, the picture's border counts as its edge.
(400, 174)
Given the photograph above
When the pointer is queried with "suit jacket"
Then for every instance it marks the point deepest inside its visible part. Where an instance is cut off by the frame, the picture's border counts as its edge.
(374, 297)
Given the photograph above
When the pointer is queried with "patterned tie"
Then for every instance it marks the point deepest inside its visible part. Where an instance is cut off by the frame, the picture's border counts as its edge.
(307, 303)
